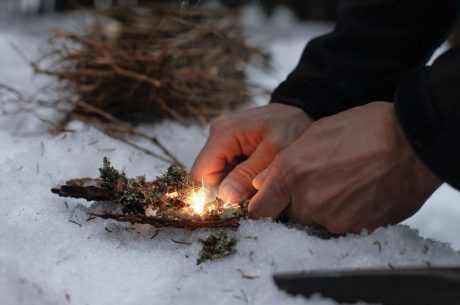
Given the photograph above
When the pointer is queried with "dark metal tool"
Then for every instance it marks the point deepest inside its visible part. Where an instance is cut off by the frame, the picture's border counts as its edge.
(424, 286)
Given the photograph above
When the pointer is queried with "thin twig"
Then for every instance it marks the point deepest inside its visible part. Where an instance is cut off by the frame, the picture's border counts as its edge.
(73, 221)
(181, 242)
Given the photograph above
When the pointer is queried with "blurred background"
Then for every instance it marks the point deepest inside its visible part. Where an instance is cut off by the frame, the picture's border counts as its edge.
(303, 9)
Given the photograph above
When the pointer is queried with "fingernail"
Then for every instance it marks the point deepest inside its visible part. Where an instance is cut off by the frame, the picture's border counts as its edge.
(231, 191)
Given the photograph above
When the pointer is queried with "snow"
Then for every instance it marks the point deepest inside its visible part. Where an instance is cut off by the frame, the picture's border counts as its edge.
(46, 259)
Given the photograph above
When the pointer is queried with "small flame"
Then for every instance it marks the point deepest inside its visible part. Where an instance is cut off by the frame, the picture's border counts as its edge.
(197, 199)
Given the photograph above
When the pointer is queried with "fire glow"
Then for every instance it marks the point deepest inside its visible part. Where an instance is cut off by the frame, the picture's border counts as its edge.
(200, 203)
(197, 199)
(203, 202)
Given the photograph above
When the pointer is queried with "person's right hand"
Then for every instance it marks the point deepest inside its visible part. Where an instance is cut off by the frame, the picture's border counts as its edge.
(350, 171)
(258, 134)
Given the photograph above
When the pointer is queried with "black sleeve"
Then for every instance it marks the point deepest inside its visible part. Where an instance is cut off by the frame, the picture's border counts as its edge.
(377, 52)
(428, 107)
(375, 44)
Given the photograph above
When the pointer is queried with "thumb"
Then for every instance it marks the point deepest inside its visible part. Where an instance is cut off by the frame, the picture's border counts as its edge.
(238, 183)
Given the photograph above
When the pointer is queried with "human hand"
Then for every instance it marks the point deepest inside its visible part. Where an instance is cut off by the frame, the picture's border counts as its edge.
(258, 134)
(347, 172)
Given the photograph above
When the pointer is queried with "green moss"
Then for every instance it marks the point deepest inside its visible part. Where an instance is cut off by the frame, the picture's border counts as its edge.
(174, 179)
(217, 246)
(132, 202)
(108, 173)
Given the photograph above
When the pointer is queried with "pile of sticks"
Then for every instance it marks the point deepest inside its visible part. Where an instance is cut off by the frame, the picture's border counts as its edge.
(153, 63)
(134, 65)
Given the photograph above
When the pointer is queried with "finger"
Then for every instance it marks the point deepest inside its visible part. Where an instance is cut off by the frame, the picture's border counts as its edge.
(271, 199)
(259, 180)
(238, 183)
(214, 158)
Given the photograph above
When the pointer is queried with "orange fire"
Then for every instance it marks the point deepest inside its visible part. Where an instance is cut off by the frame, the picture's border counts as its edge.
(197, 199)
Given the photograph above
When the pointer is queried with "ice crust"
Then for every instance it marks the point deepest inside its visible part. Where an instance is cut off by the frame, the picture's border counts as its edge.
(46, 259)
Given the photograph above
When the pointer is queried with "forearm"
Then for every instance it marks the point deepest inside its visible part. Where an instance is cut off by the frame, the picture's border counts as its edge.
(376, 43)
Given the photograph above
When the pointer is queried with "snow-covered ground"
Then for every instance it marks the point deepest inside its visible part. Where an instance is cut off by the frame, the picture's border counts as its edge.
(45, 259)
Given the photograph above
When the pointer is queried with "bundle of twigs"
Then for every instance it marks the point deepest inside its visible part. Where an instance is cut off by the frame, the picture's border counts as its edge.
(154, 63)
(133, 65)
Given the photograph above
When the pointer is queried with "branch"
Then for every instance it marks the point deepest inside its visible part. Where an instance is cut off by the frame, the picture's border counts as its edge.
(86, 188)
(168, 222)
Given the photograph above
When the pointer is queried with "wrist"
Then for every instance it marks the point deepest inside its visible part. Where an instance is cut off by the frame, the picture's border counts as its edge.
(291, 108)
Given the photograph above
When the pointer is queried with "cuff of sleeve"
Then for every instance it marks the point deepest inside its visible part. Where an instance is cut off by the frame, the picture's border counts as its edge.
(316, 102)
(436, 147)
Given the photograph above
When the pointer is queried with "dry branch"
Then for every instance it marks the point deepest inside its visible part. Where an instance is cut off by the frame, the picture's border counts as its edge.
(177, 223)
(85, 188)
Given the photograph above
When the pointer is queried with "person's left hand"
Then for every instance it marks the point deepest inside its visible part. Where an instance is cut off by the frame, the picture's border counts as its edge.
(347, 172)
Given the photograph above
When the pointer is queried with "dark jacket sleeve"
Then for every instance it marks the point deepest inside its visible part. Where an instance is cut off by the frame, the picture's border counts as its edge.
(428, 107)
(374, 45)
(377, 52)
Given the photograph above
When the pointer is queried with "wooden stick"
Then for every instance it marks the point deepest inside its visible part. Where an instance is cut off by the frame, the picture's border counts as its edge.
(167, 222)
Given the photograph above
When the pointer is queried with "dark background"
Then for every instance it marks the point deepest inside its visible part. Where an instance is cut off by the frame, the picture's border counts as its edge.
(318, 10)
(303, 9)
